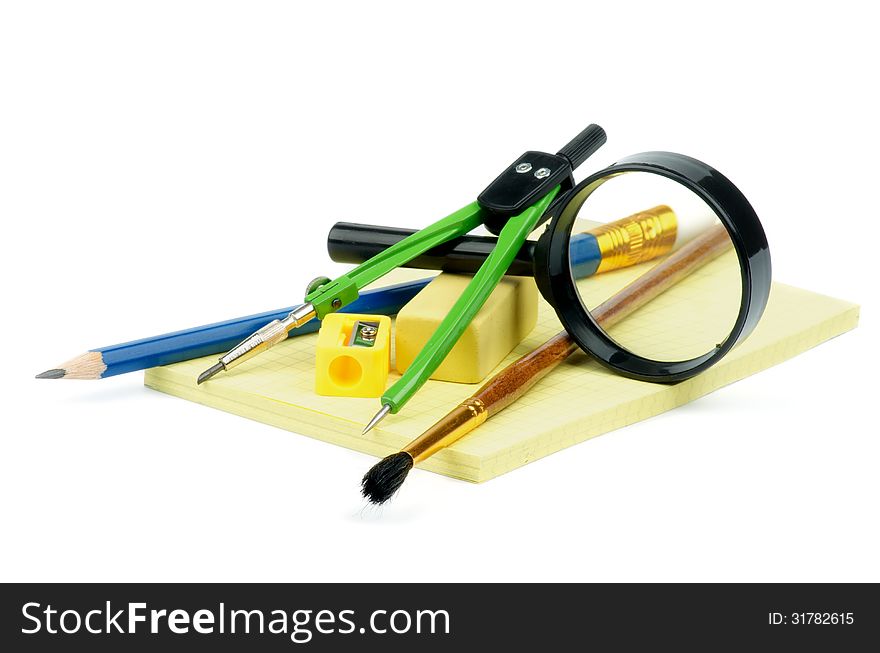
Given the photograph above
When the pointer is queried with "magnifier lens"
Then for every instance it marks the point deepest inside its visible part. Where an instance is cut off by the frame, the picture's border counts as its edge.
(636, 221)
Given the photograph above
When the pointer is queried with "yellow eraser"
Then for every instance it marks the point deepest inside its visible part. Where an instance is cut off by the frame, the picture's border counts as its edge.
(507, 317)
(353, 355)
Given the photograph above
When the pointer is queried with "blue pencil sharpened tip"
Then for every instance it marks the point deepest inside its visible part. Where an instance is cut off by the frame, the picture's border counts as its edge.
(52, 374)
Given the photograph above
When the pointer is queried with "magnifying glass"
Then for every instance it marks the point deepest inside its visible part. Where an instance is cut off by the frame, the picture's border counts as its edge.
(689, 326)
(588, 253)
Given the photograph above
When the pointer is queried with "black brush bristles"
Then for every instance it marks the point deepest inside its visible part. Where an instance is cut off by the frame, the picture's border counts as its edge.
(385, 477)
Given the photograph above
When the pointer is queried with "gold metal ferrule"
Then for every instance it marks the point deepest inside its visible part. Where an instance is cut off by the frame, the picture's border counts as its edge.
(460, 421)
(637, 238)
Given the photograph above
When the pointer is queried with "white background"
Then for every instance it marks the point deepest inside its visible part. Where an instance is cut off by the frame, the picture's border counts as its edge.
(168, 164)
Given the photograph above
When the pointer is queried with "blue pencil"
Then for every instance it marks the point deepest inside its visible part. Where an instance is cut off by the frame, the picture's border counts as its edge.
(219, 337)
(213, 338)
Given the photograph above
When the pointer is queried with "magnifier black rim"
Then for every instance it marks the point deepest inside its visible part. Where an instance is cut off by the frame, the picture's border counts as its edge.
(553, 272)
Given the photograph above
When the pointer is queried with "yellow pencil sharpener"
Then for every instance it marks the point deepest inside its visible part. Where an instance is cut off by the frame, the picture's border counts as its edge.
(353, 355)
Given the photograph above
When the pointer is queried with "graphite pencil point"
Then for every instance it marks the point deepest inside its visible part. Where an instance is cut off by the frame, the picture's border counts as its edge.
(89, 365)
(51, 374)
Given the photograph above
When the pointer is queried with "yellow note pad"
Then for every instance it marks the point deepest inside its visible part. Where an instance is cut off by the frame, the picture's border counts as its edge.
(578, 400)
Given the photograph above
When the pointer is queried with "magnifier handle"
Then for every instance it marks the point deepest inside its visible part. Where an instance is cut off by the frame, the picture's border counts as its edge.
(351, 242)
(582, 146)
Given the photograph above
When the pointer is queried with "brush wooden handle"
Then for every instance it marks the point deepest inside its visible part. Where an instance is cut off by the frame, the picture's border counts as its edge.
(518, 378)
(677, 266)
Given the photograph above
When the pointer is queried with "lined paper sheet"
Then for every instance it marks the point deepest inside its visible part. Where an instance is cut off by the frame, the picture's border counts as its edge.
(577, 401)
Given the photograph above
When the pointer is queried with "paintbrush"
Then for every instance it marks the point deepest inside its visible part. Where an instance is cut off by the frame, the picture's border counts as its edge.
(385, 477)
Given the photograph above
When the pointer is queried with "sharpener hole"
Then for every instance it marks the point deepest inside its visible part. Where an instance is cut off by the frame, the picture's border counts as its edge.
(345, 371)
